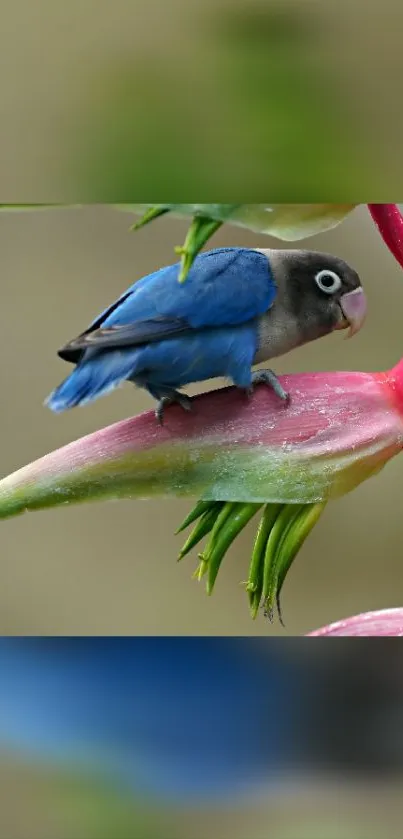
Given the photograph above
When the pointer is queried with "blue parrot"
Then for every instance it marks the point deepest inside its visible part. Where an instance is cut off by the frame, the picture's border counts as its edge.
(238, 307)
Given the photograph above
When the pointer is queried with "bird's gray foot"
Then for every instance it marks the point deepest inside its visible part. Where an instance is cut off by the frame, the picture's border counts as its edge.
(267, 377)
(175, 397)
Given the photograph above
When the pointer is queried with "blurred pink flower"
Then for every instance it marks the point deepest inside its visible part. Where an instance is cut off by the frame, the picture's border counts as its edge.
(384, 622)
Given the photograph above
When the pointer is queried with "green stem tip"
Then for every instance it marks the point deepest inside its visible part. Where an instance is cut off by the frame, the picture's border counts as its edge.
(150, 215)
(200, 231)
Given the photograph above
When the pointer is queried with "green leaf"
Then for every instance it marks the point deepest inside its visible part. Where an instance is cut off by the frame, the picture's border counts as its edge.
(288, 222)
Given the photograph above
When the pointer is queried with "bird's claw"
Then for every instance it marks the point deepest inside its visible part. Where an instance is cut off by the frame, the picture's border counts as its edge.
(179, 398)
(267, 377)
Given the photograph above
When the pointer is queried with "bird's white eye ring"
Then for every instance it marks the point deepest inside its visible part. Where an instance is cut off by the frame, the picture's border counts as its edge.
(328, 281)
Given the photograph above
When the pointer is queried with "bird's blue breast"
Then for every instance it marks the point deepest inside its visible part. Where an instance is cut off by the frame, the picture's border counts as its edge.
(213, 353)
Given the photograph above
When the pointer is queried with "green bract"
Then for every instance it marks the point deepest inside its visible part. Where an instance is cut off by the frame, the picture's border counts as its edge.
(289, 222)
(281, 532)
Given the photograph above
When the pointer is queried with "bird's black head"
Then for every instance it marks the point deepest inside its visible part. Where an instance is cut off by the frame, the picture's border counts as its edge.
(320, 291)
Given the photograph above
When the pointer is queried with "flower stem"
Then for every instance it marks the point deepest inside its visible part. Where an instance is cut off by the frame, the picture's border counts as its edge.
(200, 231)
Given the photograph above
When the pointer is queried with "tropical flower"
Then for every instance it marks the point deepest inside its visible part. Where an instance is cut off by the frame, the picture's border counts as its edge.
(241, 457)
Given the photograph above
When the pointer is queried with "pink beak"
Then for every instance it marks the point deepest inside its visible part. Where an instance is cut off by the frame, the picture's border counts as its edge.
(354, 308)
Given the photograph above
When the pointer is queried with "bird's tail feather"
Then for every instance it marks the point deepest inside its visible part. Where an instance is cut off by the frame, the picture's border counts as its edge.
(92, 379)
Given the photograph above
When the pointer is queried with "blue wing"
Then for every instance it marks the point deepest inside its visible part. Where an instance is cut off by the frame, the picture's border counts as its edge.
(225, 287)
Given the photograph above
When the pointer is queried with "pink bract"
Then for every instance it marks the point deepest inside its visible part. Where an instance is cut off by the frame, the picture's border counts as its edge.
(339, 429)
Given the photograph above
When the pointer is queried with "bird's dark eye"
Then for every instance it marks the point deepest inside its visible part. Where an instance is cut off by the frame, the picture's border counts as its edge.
(328, 281)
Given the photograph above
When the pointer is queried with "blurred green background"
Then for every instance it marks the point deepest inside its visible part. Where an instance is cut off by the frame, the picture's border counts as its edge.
(298, 100)
(110, 568)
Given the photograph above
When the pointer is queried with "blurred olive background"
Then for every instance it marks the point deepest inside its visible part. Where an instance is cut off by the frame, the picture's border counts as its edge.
(110, 568)
(40, 804)
(298, 100)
